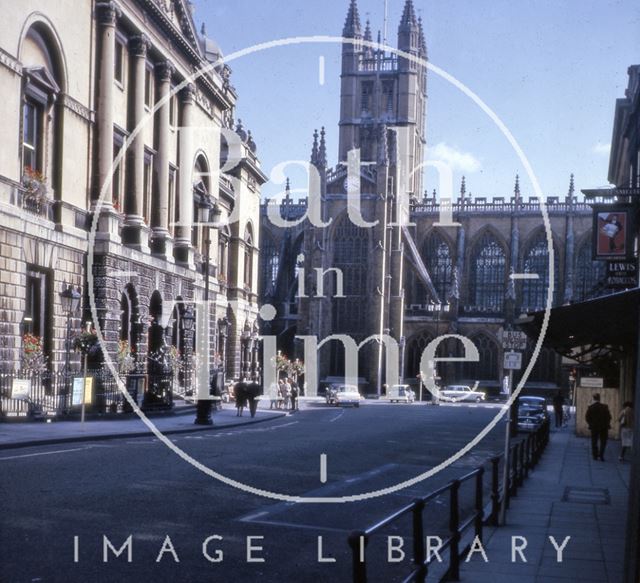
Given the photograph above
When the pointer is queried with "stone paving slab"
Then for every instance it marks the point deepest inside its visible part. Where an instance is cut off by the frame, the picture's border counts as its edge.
(596, 548)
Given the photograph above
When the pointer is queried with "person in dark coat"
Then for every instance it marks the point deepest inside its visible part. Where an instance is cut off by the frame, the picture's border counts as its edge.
(240, 393)
(254, 390)
(598, 419)
(558, 408)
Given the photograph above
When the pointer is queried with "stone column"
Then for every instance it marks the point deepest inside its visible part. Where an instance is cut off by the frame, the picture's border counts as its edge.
(106, 16)
(183, 251)
(134, 232)
(161, 243)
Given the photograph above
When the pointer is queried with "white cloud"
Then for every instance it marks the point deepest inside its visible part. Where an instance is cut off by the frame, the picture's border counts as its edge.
(457, 160)
(601, 148)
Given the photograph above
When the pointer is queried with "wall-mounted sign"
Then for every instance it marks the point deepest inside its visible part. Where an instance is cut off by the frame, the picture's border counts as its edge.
(592, 382)
(20, 389)
(613, 232)
(622, 274)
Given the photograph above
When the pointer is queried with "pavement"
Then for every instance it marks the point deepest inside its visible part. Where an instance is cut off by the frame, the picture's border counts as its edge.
(181, 420)
(567, 495)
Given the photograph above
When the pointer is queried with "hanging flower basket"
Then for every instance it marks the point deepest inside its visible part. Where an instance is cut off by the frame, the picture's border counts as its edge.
(88, 343)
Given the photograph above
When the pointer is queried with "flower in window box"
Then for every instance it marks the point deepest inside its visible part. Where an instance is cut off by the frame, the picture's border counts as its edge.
(33, 357)
(35, 183)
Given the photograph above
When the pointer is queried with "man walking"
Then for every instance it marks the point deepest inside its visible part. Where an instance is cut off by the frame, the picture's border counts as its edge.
(558, 408)
(598, 419)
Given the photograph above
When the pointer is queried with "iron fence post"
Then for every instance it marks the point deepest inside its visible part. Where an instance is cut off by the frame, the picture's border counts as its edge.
(418, 541)
(479, 502)
(454, 529)
(495, 490)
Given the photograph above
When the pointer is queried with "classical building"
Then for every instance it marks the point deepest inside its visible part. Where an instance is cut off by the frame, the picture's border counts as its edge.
(407, 276)
(116, 119)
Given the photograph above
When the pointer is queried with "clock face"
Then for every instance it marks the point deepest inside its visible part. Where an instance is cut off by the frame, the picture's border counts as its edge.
(351, 183)
(318, 458)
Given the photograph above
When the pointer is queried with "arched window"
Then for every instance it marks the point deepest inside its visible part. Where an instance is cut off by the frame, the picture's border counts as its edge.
(224, 235)
(436, 255)
(270, 259)
(200, 194)
(41, 110)
(248, 257)
(486, 369)
(487, 278)
(350, 255)
(590, 274)
(536, 261)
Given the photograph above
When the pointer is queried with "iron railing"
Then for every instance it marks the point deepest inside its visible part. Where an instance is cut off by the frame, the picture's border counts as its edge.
(523, 456)
(50, 393)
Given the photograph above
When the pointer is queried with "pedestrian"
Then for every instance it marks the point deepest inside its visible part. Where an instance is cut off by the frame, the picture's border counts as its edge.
(240, 391)
(273, 396)
(287, 394)
(626, 420)
(294, 396)
(598, 418)
(281, 393)
(254, 391)
(558, 408)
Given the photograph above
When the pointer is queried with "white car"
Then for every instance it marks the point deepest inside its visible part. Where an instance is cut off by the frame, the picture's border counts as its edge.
(458, 393)
(343, 395)
(400, 394)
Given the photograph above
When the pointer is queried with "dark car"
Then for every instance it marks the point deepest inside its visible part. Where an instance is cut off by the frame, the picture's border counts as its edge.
(532, 412)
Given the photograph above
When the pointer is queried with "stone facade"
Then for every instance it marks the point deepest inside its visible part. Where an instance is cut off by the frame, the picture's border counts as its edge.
(111, 145)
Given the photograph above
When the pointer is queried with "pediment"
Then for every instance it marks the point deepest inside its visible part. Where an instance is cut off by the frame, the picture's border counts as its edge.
(178, 12)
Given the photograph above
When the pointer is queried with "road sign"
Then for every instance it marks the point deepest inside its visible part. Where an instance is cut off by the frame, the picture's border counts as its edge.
(512, 360)
(514, 340)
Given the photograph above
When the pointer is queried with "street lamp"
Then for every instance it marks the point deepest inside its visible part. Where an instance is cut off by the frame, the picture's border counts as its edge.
(186, 323)
(208, 216)
(70, 299)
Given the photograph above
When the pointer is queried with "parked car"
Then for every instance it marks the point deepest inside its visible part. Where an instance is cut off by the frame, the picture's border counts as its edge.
(343, 395)
(401, 394)
(458, 393)
(532, 412)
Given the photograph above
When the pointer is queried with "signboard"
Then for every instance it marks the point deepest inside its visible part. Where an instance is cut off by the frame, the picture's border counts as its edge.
(20, 389)
(613, 232)
(76, 394)
(610, 192)
(512, 360)
(514, 340)
(621, 274)
(592, 382)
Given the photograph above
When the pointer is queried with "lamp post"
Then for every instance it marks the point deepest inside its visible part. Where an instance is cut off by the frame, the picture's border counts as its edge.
(70, 300)
(207, 212)
(223, 328)
(186, 323)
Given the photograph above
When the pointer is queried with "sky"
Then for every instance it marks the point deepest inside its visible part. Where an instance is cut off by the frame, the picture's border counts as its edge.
(551, 70)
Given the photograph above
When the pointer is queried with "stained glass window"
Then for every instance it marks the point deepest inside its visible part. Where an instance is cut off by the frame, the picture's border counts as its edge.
(536, 261)
(436, 255)
(488, 274)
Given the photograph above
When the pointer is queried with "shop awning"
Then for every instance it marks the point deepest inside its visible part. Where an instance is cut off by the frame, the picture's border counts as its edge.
(608, 321)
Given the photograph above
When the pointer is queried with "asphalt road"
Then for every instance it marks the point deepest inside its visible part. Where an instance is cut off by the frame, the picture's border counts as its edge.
(139, 488)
